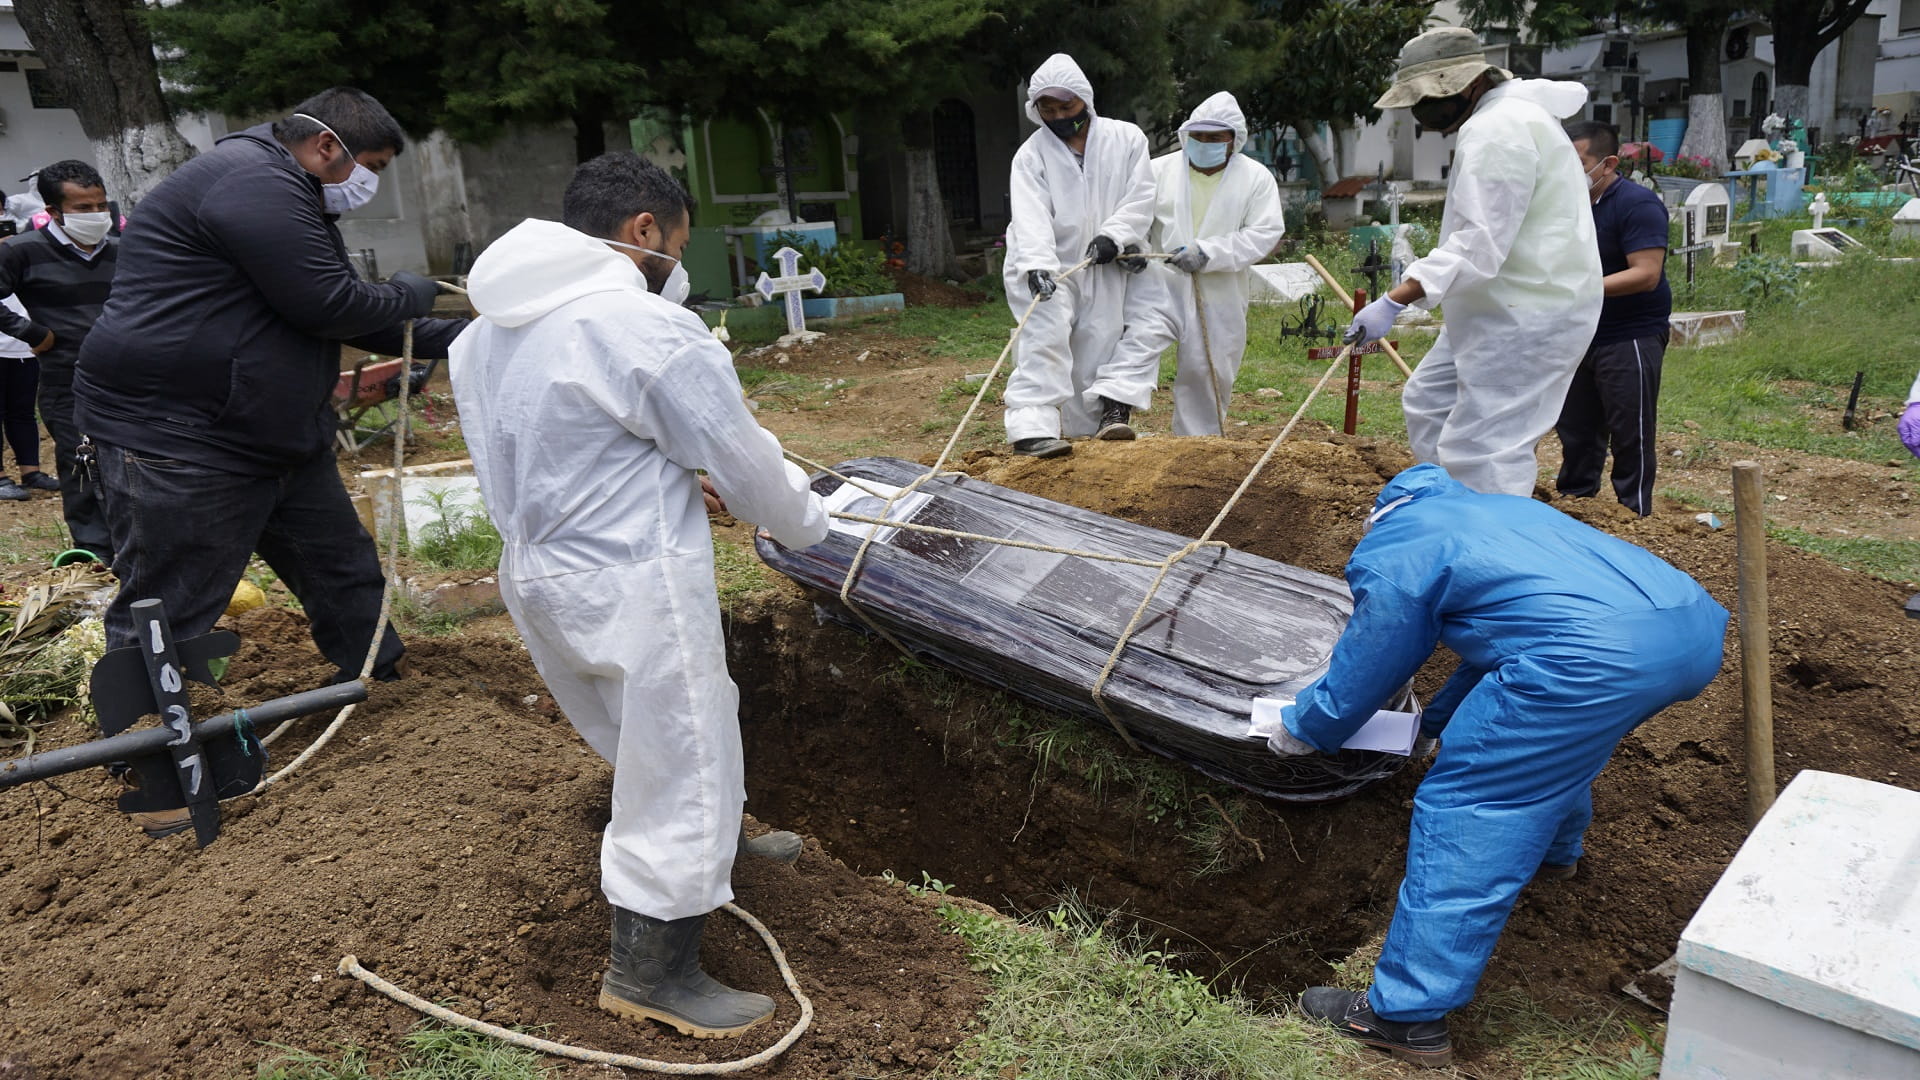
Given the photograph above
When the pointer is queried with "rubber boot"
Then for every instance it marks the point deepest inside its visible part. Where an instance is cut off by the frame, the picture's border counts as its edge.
(1043, 447)
(779, 845)
(655, 975)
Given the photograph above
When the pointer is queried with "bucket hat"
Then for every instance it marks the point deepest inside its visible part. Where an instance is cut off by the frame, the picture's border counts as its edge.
(1439, 63)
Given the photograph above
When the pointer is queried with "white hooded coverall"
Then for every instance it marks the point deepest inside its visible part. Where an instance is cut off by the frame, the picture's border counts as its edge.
(1518, 270)
(1066, 359)
(1243, 224)
(587, 403)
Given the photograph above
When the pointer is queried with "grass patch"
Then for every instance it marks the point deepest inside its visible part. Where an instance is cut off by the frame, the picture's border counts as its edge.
(1892, 560)
(1897, 561)
(1512, 1025)
(1076, 997)
(428, 1053)
(459, 537)
(33, 542)
(738, 573)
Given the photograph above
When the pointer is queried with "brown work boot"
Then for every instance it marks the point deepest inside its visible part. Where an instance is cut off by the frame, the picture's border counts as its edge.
(159, 823)
(655, 975)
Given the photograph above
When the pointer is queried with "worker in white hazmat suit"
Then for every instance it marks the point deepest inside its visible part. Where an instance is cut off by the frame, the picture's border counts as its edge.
(1218, 213)
(1517, 267)
(1082, 189)
(588, 397)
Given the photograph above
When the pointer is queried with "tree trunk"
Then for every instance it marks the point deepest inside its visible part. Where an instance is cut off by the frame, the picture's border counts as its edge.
(1326, 149)
(1801, 29)
(1791, 100)
(101, 57)
(1706, 108)
(929, 241)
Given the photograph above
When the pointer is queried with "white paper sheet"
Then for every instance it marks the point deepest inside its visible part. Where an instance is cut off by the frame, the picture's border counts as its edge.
(848, 499)
(1388, 731)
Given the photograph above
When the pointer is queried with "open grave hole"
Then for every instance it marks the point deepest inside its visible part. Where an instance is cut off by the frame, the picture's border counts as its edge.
(897, 767)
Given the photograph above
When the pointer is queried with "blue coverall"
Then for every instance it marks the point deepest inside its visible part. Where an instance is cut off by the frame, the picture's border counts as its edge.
(1568, 639)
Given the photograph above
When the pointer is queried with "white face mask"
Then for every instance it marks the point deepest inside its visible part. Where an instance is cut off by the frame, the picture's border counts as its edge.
(357, 190)
(352, 193)
(86, 229)
(675, 289)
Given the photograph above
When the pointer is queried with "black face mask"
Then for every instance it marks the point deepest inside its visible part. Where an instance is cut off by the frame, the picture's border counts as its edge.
(1068, 126)
(1439, 114)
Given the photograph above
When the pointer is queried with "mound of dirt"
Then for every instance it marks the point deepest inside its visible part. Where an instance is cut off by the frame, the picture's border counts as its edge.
(450, 838)
(921, 291)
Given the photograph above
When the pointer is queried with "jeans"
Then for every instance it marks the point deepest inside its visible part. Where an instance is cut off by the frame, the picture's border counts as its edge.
(182, 534)
(79, 494)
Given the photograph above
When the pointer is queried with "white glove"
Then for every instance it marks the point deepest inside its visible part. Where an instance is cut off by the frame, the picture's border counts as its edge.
(1191, 259)
(1283, 743)
(1373, 322)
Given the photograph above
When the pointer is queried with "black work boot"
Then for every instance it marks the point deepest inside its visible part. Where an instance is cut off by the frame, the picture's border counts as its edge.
(1043, 447)
(1557, 871)
(779, 845)
(1420, 1042)
(655, 975)
(1113, 420)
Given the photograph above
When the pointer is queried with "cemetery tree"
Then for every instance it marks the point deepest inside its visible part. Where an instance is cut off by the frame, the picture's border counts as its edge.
(1801, 29)
(1546, 22)
(471, 68)
(796, 60)
(100, 56)
(1332, 60)
(1705, 22)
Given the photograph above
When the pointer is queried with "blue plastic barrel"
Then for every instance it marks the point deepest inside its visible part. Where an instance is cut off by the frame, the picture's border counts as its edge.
(1666, 134)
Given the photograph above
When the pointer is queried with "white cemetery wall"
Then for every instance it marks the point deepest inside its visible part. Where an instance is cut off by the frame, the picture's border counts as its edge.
(521, 174)
(390, 223)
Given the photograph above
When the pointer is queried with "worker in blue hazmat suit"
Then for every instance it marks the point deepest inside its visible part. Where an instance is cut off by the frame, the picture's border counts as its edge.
(1218, 213)
(1568, 639)
(1517, 267)
(589, 397)
(1082, 188)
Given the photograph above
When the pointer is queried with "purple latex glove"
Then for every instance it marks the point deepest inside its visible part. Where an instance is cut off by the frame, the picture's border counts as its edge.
(1910, 427)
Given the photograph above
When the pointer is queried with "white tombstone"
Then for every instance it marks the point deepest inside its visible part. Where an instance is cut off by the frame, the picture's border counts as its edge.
(1708, 213)
(1906, 221)
(1743, 157)
(1820, 208)
(1804, 961)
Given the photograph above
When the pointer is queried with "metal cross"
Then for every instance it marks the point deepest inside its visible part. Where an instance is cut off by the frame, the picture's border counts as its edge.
(1373, 267)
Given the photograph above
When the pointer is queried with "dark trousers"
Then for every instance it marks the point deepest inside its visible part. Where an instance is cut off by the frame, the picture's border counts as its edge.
(18, 377)
(79, 493)
(182, 534)
(1614, 400)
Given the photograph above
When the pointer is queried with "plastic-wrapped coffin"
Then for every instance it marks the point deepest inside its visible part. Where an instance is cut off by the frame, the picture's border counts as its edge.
(1225, 628)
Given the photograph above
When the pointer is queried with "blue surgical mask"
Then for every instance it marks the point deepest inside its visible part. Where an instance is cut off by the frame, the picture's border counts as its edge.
(1207, 155)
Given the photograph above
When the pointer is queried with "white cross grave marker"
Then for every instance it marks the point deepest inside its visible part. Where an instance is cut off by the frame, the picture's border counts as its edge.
(1820, 209)
(790, 284)
(1393, 198)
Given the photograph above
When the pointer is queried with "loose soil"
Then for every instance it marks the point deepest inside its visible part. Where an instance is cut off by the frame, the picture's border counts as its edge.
(449, 838)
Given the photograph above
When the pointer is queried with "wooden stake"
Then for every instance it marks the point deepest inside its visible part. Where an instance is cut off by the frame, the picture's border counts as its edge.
(1347, 299)
(1756, 654)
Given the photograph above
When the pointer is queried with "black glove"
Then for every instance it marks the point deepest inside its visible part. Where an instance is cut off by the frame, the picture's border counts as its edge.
(1102, 250)
(1040, 283)
(421, 292)
(1130, 259)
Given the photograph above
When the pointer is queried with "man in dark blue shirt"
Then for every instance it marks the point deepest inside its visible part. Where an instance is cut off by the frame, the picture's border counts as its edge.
(1615, 393)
